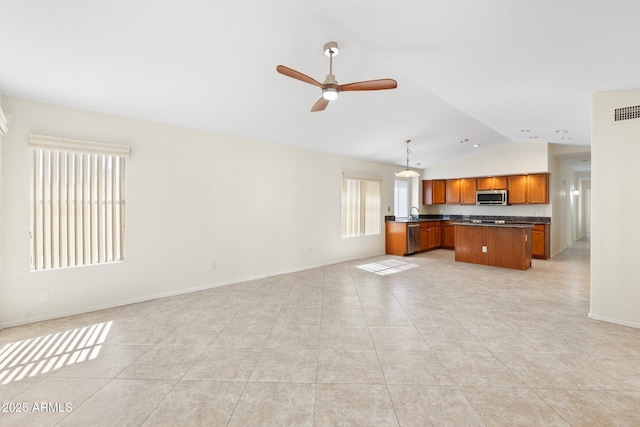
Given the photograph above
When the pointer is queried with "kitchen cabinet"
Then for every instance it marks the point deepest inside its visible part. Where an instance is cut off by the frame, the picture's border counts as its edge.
(499, 246)
(448, 235)
(540, 241)
(491, 183)
(452, 187)
(430, 235)
(461, 191)
(433, 192)
(528, 189)
(438, 234)
(395, 238)
(516, 186)
(539, 188)
(424, 236)
(523, 189)
(468, 191)
(433, 233)
(402, 238)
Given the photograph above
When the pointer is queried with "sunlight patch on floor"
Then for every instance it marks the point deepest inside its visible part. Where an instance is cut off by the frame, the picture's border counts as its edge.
(387, 266)
(51, 352)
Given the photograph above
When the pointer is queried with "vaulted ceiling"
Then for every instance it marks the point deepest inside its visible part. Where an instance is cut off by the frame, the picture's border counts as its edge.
(466, 69)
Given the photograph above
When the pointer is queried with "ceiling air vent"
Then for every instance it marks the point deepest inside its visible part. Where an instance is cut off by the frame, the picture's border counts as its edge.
(626, 113)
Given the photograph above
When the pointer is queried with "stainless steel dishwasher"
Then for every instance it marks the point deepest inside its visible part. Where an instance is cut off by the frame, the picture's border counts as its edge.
(413, 237)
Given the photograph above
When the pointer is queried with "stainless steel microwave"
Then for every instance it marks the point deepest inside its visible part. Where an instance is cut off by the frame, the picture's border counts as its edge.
(491, 197)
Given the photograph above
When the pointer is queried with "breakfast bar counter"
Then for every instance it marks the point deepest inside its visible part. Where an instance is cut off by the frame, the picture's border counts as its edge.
(495, 244)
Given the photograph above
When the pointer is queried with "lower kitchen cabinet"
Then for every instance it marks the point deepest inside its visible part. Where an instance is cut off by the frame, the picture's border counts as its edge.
(438, 234)
(441, 234)
(448, 235)
(395, 238)
(430, 235)
(540, 241)
(424, 236)
(498, 246)
(433, 238)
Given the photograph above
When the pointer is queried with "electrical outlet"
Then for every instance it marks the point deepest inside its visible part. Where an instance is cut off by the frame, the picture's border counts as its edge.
(214, 265)
(484, 249)
(44, 296)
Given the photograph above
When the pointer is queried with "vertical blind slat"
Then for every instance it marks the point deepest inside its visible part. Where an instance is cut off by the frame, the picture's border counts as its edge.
(55, 212)
(87, 208)
(79, 208)
(62, 208)
(109, 208)
(71, 209)
(46, 204)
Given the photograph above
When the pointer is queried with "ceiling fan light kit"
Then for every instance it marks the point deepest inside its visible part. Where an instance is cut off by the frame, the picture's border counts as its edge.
(330, 87)
(330, 93)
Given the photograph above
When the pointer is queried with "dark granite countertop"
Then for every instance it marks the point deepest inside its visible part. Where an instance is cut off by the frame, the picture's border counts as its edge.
(464, 219)
(493, 224)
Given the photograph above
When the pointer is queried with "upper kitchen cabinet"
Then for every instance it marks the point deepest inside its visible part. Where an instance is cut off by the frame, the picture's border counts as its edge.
(453, 191)
(433, 192)
(461, 191)
(491, 183)
(528, 189)
(468, 191)
(539, 188)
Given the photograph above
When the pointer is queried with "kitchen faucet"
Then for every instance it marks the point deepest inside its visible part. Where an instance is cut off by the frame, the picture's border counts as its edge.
(411, 210)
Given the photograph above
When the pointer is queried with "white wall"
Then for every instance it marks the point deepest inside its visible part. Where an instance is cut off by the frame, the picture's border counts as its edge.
(3, 126)
(584, 208)
(507, 159)
(615, 277)
(193, 198)
(565, 207)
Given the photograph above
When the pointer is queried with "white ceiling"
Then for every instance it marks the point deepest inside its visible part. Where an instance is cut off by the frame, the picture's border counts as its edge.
(482, 70)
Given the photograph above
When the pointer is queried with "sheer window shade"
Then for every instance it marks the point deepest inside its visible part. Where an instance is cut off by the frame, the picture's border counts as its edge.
(77, 202)
(361, 207)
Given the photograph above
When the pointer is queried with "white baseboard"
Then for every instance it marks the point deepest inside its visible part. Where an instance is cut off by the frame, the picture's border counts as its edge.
(612, 320)
(163, 295)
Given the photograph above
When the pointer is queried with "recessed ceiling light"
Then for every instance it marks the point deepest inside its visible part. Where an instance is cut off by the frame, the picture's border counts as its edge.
(476, 145)
(462, 141)
(525, 130)
(562, 131)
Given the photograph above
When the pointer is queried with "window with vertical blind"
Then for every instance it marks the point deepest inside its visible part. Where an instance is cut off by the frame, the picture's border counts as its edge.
(77, 202)
(361, 207)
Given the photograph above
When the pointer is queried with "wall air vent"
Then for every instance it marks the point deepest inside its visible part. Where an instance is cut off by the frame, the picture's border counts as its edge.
(626, 113)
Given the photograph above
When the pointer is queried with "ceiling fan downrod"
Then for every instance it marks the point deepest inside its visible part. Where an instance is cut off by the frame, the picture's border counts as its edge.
(331, 49)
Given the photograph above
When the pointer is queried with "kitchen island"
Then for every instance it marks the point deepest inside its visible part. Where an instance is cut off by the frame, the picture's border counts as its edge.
(496, 244)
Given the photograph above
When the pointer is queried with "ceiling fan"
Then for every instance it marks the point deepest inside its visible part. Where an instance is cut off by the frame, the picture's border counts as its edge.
(330, 87)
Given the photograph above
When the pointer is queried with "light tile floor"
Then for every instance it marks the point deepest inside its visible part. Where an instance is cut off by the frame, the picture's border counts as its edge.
(443, 343)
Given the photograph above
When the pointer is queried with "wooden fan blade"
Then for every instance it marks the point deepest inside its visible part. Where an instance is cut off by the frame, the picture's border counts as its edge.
(320, 105)
(290, 72)
(379, 84)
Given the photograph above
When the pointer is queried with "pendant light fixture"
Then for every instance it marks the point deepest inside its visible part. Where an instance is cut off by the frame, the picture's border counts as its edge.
(407, 173)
